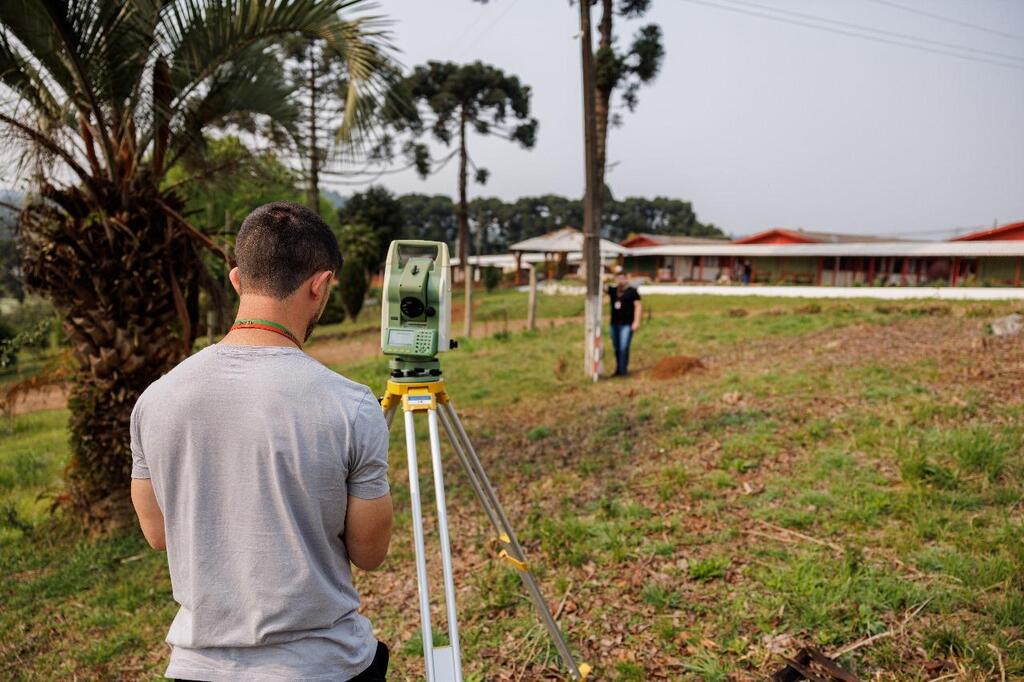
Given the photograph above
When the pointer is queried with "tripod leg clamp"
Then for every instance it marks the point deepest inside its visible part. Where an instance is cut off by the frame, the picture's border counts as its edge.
(518, 564)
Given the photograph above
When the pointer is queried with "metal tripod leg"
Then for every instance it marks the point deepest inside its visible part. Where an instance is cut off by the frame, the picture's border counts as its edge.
(454, 654)
(442, 664)
(467, 455)
(417, 534)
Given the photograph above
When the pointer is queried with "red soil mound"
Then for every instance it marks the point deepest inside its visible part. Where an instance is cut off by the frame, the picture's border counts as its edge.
(675, 366)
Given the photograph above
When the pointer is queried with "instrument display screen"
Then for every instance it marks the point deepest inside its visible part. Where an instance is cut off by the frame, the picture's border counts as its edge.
(401, 337)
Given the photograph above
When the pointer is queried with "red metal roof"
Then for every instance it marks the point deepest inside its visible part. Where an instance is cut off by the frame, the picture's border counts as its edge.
(777, 235)
(648, 239)
(1008, 231)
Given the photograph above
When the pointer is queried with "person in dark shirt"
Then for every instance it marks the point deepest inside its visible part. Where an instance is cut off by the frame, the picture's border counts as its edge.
(626, 308)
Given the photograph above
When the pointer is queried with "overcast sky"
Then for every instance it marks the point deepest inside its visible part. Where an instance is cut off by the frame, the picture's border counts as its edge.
(761, 122)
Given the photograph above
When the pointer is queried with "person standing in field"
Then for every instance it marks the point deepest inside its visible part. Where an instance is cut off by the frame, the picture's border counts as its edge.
(264, 476)
(626, 310)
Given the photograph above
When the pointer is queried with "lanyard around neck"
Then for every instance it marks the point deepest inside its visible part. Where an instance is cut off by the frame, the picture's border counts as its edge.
(267, 326)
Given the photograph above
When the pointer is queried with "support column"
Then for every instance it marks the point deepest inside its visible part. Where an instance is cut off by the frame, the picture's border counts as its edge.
(531, 310)
(871, 272)
(700, 268)
(954, 271)
(835, 271)
(1016, 272)
(904, 271)
(821, 266)
(519, 265)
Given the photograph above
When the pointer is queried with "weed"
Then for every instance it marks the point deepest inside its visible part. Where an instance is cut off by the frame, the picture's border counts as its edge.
(978, 450)
(711, 568)
(919, 469)
(662, 598)
(538, 433)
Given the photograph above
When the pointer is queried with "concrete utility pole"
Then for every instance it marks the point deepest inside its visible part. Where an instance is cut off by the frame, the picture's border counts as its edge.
(591, 206)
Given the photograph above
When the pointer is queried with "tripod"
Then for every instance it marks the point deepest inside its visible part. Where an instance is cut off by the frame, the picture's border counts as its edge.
(444, 664)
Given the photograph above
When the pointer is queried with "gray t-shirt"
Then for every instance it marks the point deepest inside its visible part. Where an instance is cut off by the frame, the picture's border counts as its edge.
(253, 452)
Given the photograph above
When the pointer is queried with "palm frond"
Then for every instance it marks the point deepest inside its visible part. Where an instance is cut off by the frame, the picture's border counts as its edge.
(204, 35)
(252, 85)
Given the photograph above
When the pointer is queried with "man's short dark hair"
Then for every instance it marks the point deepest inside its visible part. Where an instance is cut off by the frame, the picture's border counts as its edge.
(280, 245)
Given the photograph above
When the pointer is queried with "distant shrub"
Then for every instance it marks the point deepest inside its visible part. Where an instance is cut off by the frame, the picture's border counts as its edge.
(492, 277)
(352, 285)
(335, 310)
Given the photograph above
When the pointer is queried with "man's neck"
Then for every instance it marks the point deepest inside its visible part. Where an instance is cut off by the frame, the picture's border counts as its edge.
(271, 310)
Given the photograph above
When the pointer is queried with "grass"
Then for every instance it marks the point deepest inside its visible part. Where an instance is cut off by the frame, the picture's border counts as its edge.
(836, 468)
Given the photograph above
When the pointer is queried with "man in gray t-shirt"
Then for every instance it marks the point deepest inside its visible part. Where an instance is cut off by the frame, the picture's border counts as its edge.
(264, 474)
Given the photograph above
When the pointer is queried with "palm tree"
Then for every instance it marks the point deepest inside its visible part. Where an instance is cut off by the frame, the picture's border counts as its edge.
(104, 96)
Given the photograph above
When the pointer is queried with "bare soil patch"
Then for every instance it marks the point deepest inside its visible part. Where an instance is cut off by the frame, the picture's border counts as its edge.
(675, 366)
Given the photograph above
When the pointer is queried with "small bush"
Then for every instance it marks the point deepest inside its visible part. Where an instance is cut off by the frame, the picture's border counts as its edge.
(352, 285)
(491, 277)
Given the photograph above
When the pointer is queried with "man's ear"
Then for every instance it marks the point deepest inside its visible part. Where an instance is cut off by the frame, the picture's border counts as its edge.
(321, 284)
(235, 282)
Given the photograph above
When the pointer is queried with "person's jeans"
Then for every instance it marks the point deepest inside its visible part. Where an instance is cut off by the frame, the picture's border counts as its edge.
(621, 334)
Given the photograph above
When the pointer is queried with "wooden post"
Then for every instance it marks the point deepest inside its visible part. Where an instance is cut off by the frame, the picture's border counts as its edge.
(467, 317)
(954, 271)
(904, 271)
(700, 268)
(531, 307)
(835, 271)
(1016, 272)
(871, 272)
(920, 266)
(519, 265)
(820, 268)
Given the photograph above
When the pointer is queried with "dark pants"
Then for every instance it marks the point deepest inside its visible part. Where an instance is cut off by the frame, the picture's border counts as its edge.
(621, 335)
(377, 672)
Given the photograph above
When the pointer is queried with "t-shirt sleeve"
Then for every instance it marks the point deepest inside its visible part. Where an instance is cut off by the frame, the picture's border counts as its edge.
(140, 469)
(636, 293)
(368, 466)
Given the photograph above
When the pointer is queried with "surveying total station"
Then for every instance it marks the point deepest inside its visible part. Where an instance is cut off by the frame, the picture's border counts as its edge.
(415, 327)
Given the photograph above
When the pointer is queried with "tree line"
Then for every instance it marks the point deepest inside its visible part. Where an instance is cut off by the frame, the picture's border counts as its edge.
(496, 224)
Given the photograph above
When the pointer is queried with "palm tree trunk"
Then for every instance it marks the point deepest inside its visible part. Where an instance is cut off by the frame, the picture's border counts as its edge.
(462, 213)
(122, 281)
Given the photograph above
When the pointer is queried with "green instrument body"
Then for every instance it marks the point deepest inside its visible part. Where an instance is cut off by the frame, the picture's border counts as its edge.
(416, 308)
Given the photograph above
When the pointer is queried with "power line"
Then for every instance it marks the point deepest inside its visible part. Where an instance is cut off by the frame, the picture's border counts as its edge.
(862, 36)
(488, 27)
(940, 17)
(465, 33)
(878, 31)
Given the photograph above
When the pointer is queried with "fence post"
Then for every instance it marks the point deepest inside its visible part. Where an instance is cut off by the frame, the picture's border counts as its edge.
(531, 309)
